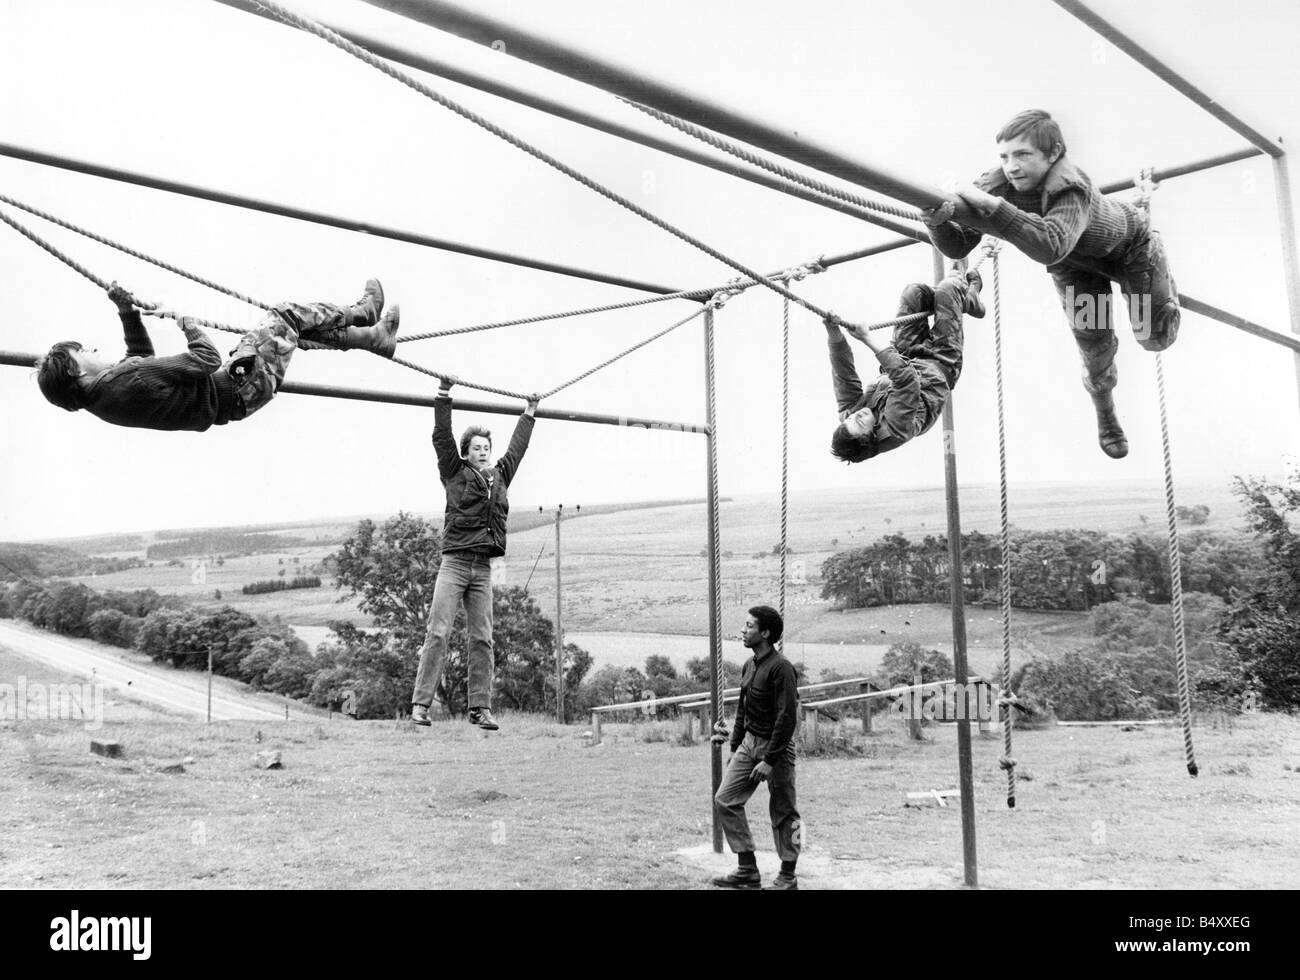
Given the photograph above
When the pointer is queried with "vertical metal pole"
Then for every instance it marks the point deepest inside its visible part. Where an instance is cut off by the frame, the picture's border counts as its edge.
(960, 666)
(715, 573)
(559, 626)
(209, 684)
(1290, 253)
(785, 453)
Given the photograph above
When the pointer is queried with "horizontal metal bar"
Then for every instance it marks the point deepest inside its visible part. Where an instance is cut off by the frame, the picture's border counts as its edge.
(318, 217)
(405, 55)
(1149, 61)
(1241, 323)
(590, 68)
(22, 359)
(1196, 166)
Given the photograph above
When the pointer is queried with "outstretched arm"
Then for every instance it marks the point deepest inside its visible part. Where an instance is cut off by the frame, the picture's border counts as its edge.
(136, 336)
(509, 463)
(1046, 238)
(444, 443)
(844, 373)
(200, 360)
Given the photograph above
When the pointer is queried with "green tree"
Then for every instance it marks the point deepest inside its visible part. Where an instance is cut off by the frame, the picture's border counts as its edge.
(1260, 625)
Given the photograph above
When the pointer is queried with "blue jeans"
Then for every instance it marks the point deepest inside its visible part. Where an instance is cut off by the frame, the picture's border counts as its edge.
(468, 577)
(737, 788)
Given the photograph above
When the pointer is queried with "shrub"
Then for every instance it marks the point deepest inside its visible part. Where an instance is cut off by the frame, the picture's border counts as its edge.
(1079, 687)
(114, 627)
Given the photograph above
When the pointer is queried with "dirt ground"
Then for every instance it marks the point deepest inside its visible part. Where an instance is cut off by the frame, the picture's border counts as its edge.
(387, 805)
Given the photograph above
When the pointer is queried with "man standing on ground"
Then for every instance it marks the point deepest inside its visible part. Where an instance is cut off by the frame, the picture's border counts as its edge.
(762, 750)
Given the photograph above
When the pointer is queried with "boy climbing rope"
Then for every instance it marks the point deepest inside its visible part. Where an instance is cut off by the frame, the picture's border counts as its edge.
(195, 390)
(1039, 201)
(918, 370)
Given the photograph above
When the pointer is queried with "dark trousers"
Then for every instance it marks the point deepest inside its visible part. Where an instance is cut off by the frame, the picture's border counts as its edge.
(1148, 293)
(737, 788)
(941, 341)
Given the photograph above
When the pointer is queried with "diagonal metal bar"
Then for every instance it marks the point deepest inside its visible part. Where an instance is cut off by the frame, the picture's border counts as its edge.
(318, 217)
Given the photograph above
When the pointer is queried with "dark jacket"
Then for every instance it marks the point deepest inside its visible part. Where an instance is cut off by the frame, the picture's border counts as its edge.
(189, 391)
(907, 398)
(477, 504)
(768, 706)
(1066, 217)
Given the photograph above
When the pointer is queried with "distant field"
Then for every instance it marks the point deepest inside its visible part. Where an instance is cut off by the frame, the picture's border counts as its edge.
(640, 570)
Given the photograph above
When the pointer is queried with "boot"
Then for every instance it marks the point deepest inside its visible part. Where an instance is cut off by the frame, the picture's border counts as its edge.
(365, 311)
(1109, 432)
(380, 339)
(974, 305)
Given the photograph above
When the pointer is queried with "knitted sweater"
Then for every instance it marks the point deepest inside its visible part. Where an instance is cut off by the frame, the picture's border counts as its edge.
(1065, 217)
(189, 391)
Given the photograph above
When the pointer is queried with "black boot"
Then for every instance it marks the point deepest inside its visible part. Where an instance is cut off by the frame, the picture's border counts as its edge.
(974, 305)
(1110, 434)
(365, 311)
(379, 339)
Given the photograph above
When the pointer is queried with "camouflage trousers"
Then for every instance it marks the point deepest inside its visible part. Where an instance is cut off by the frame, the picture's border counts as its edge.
(1148, 291)
(258, 363)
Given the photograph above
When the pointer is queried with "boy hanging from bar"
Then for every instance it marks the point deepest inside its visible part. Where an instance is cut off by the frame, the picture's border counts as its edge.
(1039, 201)
(196, 390)
(919, 368)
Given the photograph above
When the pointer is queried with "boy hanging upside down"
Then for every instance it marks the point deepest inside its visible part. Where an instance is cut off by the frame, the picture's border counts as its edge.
(918, 370)
(195, 390)
(1039, 201)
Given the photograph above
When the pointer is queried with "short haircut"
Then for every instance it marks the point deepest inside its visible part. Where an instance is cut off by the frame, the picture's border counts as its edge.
(1036, 126)
(59, 377)
(769, 621)
(470, 433)
(850, 448)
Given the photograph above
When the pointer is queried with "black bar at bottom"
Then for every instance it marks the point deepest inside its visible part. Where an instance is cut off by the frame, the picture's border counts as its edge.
(19, 359)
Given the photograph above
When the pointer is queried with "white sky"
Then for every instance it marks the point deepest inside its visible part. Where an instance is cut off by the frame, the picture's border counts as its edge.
(201, 93)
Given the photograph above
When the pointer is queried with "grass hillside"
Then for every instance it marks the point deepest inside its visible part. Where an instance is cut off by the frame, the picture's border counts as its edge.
(387, 805)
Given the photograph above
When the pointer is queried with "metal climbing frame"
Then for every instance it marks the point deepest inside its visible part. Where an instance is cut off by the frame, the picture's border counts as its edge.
(643, 91)
(635, 87)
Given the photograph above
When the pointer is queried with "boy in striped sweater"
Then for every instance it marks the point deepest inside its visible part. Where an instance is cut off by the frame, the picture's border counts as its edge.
(1039, 201)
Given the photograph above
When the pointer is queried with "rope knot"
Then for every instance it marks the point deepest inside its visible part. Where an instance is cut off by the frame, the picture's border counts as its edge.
(1007, 763)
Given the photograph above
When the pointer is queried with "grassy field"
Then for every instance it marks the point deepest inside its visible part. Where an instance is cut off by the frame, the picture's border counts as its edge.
(386, 805)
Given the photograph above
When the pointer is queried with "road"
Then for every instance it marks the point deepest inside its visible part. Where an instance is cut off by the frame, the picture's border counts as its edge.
(178, 691)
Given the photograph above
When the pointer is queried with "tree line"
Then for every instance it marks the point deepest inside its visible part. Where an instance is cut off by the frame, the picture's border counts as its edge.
(1058, 569)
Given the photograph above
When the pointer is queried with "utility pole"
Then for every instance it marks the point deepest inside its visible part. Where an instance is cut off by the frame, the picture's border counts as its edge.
(559, 619)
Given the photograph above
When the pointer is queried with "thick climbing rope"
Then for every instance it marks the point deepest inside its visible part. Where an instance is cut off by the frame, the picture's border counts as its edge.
(1175, 578)
(61, 256)
(1008, 761)
(793, 176)
(540, 318)
(151, 309)
(799, 272)
(1146, 187)
(332, 37)
(86, 233)
(635, 347)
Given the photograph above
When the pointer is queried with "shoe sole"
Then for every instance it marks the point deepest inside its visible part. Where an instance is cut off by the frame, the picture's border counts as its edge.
(752, 887)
